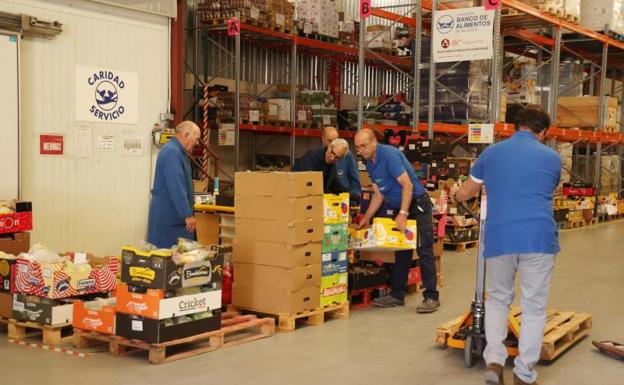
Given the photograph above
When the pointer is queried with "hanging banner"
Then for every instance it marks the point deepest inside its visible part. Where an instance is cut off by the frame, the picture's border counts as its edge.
(492, 4)
(106, 96)
(480, 133)
(51, 144)
(463, 34)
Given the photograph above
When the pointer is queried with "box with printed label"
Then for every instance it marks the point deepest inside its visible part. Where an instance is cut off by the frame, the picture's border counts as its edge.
(157, 270)
(335, 237)
(44, 311)
(278, 184)
(63, 280)
(7, 274)
(334, 263)
(336, 208)
(280, 231)
(286, 278)
(102, 320)
(153, 303)
(154, 331)
(334, 289)
(276, 254)
(287, 209)
(383, 235)
(21, 220)
(274, 300)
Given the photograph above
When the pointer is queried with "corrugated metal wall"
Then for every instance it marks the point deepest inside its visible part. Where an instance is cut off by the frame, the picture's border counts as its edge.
(100, 203)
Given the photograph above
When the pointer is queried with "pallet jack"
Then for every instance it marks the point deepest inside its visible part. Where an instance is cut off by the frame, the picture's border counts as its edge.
(469, 333)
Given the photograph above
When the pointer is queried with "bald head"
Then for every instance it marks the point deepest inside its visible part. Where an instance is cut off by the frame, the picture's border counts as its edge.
(188, 134)
(329, 134)
(366, 143)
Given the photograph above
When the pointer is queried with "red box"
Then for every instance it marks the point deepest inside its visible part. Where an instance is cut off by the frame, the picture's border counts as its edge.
(15, 222)
(414, 276)
(102, 321)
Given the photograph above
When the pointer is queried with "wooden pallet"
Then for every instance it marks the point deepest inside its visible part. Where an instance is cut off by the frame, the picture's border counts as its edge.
(305, 124)
(277, 123)
(280, 28)
(51, 335)
(574, 19)
(563, 329)
(287, 322)
(385, 51)
(581, 223)
(235, 330)
(460, 247)
(558, 12)
(4, 323)
(608, 218)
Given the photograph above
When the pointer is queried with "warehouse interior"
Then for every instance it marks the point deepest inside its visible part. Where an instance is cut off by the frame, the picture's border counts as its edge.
(190, 184)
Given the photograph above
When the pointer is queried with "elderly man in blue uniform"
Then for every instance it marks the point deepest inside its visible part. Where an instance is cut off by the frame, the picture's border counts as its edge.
(324, 159)
(346, 168)
(171, 208)
(395, 184)
(520, 176)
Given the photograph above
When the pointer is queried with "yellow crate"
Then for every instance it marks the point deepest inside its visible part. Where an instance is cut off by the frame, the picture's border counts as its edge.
(336, 208)
(334, 289)
(383, 235)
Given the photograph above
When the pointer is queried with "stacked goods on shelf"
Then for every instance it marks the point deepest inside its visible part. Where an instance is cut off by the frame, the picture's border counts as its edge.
(277, 249)
(595, 15)
(219, 11)
(47, 284)
(379, 38)
(169, 294)
(321, 103)
(576, 204)
(334, 264)
(349, 33)
(520, 80)
(583, 112)
(318, 17)
(252, 109)
(565, 151)
(610, 173)
(278, 111)
(280, 15)
(608, 205)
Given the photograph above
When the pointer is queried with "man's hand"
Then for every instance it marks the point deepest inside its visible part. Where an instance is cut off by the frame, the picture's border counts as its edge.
(401, 222)
(363, 222)
(191, 224)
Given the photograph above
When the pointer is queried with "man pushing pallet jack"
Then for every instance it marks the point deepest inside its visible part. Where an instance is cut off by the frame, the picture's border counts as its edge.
(520, 175)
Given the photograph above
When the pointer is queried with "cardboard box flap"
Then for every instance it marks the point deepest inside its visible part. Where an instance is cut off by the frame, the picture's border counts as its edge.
(284, 184)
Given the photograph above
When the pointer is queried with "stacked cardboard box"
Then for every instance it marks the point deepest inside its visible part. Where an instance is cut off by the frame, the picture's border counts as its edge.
(318, 16)
(596, 14)
(162, 300)
(280, 15)
(277, 249)
(379, 37)
(217, 11)
(334, 283)
(583, 112)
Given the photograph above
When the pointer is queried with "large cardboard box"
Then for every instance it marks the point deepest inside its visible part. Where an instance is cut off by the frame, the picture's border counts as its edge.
(383, 235)
(334, 289)
(381, 256)
(335, 237)
(336, 208)
(583, 112)
(156, 270)
(6, 305)
(276, 254)
(281, 231)
(334, 263)
(15, 243)
(278, 184)
(53, 280)
(287, 209)
(284, 278)
(153, 303)
(157, 331)
(44, 311)
(274, 301)
(102, 320)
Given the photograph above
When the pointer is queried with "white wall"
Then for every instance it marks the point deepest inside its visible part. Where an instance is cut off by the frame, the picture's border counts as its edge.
(100, 203)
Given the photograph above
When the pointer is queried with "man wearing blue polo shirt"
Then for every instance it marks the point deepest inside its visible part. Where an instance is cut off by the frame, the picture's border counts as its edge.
(395, 184)
(520, 176)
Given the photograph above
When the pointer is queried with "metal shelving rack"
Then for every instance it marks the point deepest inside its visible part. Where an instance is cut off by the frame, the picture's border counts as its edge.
(511, 33)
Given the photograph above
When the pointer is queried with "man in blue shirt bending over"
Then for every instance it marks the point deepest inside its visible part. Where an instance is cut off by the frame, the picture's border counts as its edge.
(395, 184)
(346, 168)
(520, 176)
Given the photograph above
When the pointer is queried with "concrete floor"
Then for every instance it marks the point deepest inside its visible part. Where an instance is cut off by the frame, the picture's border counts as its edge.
(392, 346)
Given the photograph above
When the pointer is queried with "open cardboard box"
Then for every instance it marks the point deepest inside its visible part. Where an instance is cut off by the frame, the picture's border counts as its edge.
(44, 311)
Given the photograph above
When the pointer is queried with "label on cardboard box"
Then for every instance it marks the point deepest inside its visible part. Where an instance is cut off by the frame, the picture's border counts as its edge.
(307, 27)
(302, 115)
(137, 325)
(254, 12)
(254, 115)
(18, 305)
(279, 19)
(326, 119)
(273, 109)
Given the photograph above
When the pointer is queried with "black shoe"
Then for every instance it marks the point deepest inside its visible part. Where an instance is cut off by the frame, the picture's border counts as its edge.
(429, 305)
(388, 301)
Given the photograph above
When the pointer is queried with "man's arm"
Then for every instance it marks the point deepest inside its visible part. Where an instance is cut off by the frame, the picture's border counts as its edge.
(373, 207)
(406, 200)
(469, 189)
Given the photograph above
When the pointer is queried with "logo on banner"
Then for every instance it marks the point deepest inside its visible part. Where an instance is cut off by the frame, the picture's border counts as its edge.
(445, 43)
(445, 24)
(106, 86)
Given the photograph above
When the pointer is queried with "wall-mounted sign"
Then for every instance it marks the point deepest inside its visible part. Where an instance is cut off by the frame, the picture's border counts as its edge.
(51, 144)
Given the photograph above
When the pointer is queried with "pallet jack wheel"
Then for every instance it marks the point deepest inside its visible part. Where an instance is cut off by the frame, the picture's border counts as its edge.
(470, 355)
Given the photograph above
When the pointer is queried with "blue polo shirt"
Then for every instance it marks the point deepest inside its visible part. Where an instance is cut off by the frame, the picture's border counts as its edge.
(389, 164)
(520, 177)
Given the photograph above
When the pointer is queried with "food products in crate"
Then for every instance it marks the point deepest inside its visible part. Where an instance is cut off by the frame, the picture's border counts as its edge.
(383, 235)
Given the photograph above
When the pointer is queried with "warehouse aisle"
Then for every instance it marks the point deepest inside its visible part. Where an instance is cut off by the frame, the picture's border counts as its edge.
(391, 346)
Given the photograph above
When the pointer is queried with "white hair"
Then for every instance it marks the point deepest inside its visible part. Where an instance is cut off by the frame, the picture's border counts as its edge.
(338, 143)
